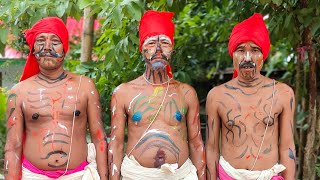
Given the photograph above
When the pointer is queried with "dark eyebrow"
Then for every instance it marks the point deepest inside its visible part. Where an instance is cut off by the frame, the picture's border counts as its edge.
(256, 47)
(241, 46)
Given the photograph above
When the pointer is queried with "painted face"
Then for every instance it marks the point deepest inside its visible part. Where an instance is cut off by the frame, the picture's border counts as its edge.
(48, 50)
(248, 60)
(157, 51)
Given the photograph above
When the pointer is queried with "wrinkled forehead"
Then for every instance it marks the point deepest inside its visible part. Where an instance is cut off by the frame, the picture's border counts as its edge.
(47, 35)
(161, 37)
(248, 44)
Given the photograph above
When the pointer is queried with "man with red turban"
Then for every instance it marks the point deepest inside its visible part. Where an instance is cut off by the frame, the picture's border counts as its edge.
(251, 116)
(162, 114)
(48, 113)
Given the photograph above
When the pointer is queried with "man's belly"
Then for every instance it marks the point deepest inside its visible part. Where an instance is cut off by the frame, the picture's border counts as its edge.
(244, 158)
(54, 154)
(154, 153)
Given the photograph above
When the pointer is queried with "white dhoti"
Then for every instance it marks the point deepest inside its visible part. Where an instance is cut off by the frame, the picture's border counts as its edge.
(132, 170)
(243, 174)
(89, 173)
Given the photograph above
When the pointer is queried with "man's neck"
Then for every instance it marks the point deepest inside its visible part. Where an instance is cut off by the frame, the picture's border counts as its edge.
(52, 74)
(254, 82)
(156, 77)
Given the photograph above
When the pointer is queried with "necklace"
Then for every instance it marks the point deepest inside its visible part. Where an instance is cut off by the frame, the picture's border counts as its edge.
(156, 84)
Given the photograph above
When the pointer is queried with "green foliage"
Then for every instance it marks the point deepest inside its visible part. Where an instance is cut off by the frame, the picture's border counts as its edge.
(17, 16)
(318, 167)
(3, 103)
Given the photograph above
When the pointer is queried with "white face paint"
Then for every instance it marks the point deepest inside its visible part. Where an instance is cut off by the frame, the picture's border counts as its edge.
(113, 138)
(117, 88)
(69, 88)
(157, 131)
(132, 101)
(23, 105)
(114, 169)
(92, 92)
(113, 110)
(248, 57)
(70, 97)
(170, 95)
(63, 127)
(40, 92)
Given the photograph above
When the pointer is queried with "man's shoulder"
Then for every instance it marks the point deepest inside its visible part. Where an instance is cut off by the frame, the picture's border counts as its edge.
(218, 90)
(183, 85)
(21, 86)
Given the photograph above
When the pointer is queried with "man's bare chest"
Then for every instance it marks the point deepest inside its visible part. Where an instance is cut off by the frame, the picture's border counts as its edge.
(57, 101)
(157, 103)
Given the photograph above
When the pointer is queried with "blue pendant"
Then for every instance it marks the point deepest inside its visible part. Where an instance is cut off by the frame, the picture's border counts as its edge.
(178, 115)
(137, 116)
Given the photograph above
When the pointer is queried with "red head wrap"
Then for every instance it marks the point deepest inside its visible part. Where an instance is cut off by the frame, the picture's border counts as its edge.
(46, 25)
(251, 29)
(155, 23)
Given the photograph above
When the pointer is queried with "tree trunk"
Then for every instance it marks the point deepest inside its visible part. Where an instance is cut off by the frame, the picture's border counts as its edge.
(299, 137)
(312, 145)
(87, 35)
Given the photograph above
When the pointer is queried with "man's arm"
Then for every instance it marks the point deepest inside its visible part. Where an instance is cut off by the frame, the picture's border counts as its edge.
(287, 149)
(197, 152)
(15, 125)
(97, 132)
(118, 122)
(212, 136)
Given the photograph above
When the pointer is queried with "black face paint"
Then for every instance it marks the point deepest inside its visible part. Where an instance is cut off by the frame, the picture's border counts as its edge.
(50, 53)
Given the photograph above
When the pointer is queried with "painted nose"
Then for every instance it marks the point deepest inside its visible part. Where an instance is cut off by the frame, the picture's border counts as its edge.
(158, 50)
(247, 57)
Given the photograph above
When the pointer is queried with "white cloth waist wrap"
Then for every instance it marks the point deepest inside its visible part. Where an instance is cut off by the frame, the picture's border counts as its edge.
(243, 174)
(131, 169)
(89, 173)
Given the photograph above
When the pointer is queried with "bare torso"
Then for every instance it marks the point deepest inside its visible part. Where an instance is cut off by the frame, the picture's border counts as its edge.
(48, 110)
(166, 140)
(244, 115)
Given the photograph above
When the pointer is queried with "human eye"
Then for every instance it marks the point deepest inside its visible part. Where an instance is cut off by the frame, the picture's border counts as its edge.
(56, 42)
(240, 50)
(40, 40)
(256, 50)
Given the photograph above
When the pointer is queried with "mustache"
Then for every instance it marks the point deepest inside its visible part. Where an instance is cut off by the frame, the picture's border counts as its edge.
(245, 64)
(48, 54)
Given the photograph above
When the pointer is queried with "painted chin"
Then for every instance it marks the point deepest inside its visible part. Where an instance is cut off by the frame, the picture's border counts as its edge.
(158, 64)
(248, 73)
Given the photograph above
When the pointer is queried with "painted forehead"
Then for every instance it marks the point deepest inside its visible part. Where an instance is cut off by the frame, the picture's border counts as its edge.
(50, 35)
(248, 43)
(155, 38)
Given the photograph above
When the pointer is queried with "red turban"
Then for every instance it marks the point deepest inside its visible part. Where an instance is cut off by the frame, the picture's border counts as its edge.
(46, 25)
(155, 23)
(251, 29)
